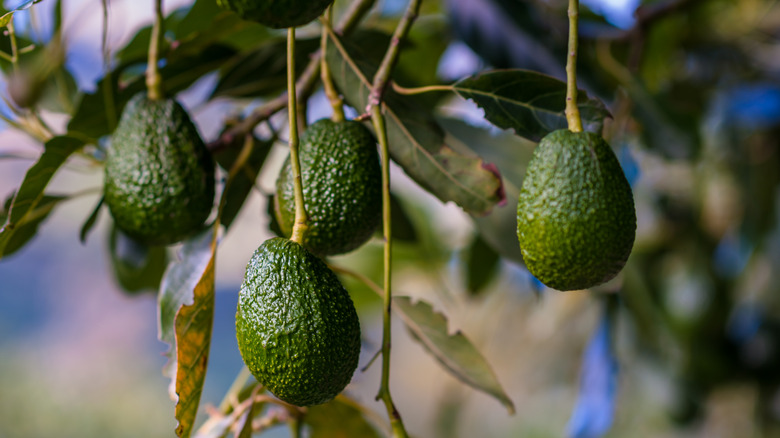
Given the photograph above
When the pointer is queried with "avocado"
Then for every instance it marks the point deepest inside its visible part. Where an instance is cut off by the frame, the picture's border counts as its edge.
(159, 176)
(575, 215)
(297, 328)
(342, 187)
(277, 13)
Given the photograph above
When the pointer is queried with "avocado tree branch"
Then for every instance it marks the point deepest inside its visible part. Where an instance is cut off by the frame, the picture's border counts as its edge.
(154, 85)
(336, 102)
(572, 111)
(304, 86)
(374, 108)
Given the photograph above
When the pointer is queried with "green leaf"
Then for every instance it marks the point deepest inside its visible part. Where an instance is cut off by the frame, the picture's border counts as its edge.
(27, 230)
(186, 313)
(482, 265)
(137, 267)
(530, 103)
(339, 418)
(454, 352)
(403, 227)
(244, 181)
(90, 222)
(90, 117)
(263, 71)
(416, 141)
(8, 16)
(56, 152)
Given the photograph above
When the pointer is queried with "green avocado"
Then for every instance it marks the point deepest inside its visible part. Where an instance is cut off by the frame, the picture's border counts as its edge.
(575, 216)
(297, 329)
(159, 176)
(277, 13)
(342, 187)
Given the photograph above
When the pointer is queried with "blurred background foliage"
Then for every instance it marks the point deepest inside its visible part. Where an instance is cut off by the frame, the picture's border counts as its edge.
(685, 343)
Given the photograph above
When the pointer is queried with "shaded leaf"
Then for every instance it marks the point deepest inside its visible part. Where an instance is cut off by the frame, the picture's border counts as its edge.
(273, 222)
(416, 141)
(137, 267)
(27, 229)
(244, 181)
(56, 152)
(403, 227)
(339, 418)
(482, 265)
(264, 70)
(530, 103)
(90, 222)
(186, 313)
(90, 117)
(453, 351)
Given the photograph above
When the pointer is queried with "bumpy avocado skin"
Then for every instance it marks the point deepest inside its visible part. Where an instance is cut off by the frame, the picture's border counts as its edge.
(342, 187)
(297, 328)
(277, 13)
(159, 176)
(576, 221)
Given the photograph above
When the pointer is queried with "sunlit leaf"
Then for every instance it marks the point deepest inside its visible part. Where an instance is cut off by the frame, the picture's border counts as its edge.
(339, 418)
(453, 351)
(8, 16)
(530, 103)
(416, 141)
(57, 150)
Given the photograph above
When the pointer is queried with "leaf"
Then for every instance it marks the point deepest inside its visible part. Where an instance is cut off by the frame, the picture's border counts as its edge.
(137, 267)
(403, 227)
(243, 183)
(339, 418)
(90, 117)
(27, 229)
(416, 141)
(8, 16)
(454, 352)
(482, 265)
(263, 71)
(530, 103)
(90, 222)
(56, 152)
(186, 313)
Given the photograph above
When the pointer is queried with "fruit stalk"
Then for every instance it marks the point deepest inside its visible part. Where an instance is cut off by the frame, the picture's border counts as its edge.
(153, 79)
(572, 111)
(300, 227)
(327, 81)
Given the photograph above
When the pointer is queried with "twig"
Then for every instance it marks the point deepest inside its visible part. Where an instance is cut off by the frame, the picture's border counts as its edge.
(154, 83)
(300, 227)
(572, 111)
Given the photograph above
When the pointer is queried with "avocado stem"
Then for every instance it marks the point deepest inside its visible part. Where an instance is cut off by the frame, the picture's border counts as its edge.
(154, 85)
(572, 111)
(336, 102)
(300, 227)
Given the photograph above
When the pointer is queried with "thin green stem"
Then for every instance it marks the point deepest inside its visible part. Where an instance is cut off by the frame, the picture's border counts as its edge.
(384, 388)
(572, 111)
(300, 227)
(327, 81)
(382, 75)
(108, 88)
(419, 90)
(154, 85)
(14, 46)
(296, 426)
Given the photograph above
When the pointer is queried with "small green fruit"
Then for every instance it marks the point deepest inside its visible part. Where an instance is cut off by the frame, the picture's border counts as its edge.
(159, 176)
(277, 13)
(575, 216)
(342, 187)
(297, 328)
